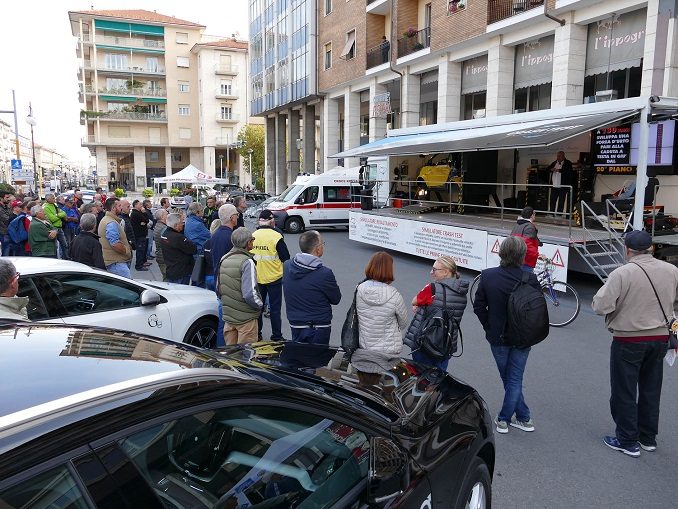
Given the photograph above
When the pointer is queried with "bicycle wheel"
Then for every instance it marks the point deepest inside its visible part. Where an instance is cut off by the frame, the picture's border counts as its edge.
(563, 306)
(473, 288)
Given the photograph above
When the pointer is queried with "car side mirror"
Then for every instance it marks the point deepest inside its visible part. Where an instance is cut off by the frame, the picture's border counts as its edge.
(389, 472)
(150, 298)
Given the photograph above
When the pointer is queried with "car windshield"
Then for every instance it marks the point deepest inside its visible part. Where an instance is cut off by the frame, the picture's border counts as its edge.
(289, 193)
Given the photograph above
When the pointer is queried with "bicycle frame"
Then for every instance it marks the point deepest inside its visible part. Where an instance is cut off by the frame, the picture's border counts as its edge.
(545, 278)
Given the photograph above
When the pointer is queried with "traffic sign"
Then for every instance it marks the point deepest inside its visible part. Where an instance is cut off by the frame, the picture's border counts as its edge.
(16, 164)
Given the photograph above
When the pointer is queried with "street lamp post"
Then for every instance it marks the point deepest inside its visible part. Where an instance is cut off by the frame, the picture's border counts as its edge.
(221, 165)
(228, 159)
(250, 164)
(30, 119)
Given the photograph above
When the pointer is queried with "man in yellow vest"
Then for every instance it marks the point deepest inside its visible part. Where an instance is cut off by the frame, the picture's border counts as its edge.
(270, 251)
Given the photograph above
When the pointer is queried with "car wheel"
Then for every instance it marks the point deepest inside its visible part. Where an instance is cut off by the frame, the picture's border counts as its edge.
(476, 490)
(294, 225)
(202, 333)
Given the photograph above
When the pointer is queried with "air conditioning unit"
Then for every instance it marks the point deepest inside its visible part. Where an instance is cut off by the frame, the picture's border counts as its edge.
(606, 95)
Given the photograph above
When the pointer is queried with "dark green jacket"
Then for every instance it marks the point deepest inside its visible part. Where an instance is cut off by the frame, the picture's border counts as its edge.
(38, 239)
(237, 287)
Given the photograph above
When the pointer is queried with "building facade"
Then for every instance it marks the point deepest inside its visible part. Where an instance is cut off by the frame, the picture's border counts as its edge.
(141, 76)
(283, 55)
(387, 64)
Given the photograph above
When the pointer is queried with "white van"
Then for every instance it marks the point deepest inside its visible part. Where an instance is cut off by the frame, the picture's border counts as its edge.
(315, 201)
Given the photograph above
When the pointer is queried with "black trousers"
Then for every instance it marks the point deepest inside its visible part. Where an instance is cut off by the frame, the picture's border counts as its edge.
(560, 195)
(274, 292)
(636, 372)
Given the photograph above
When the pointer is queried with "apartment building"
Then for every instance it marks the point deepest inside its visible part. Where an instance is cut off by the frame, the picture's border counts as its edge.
(283, 54)
(142, 78)
(403, 63)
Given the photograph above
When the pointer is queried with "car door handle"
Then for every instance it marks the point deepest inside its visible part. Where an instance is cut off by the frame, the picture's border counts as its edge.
(317, 205)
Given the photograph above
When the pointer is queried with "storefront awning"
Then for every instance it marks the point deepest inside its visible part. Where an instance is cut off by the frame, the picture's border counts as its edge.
(496, 133)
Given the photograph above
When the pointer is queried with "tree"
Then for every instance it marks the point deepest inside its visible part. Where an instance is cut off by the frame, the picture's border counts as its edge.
(251, 137)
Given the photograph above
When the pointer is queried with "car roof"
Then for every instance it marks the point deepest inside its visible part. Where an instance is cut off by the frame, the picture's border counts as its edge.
(31, 265)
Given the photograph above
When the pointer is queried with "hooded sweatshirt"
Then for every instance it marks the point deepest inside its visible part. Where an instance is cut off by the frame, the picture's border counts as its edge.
(382, 316)
(310, 290)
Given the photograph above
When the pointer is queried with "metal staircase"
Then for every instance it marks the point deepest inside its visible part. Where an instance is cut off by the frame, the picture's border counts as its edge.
(602, 253)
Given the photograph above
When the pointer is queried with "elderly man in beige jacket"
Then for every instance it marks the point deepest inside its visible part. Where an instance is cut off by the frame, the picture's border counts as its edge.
(11, 306)
(636, 300)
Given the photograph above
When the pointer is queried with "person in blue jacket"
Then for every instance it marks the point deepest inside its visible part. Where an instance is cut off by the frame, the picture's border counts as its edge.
(195, 230)
(310, 291)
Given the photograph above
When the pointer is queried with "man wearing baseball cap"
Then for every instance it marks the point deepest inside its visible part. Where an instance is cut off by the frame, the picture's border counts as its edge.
(636, 300)
(270, 251)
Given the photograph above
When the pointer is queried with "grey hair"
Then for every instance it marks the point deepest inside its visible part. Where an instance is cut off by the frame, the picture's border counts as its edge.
(512, 252)
(237, 199)
(173, 220)
(35, 209)
(226, 211)
(216, 224)
(194, 208)
(309, 240)
(88, 222)
(7, 272)
(160, 214)
(240, 237)
(49, 195)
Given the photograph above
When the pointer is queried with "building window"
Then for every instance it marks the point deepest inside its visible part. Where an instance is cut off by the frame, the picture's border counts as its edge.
(226, 88)
(533, 98)
(184, 133)
(349, 48)
(623, 83)
(116, 61)
(328, 7)
(182, 38)
(184, 86)
(152, 85)
(474, 105)
(176, 156)
(226, 112)
(328, 55)
(153, 156)
(152, 64)
(184, 110)
(116, 106)
(428, 113)
(183, 62)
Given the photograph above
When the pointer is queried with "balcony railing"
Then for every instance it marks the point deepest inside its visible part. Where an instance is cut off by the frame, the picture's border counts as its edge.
(137, 91)
(378, 55)
(228, 118)
(222, 142)
(129, 42)
(498, 10)
(91, 139)
(233, 92)
(226, 69)
(414, 41)
(134, 115)
(132, 70)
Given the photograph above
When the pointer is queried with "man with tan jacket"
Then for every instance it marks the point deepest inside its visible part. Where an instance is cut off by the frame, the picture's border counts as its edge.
(117, 250)
(639, 341)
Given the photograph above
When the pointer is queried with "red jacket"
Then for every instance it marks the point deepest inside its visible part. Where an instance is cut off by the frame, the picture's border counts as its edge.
(528, 232)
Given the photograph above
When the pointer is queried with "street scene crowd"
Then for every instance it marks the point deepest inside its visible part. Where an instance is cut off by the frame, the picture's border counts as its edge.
(252, 272)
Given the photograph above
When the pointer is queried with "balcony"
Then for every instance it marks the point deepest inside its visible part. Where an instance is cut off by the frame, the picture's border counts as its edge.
(229, 70)
(128, 115)
(137, 91)
(153, 71)
(414, 41)
(223, 142)
(379, 55)
(128, 42)
(498, 10)
(228, 119)
(91, 139)
(380, 7)
(227, 93)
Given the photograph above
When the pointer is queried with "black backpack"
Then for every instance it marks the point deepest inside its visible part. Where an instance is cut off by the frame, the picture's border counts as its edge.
(436, 337)
(527, 316)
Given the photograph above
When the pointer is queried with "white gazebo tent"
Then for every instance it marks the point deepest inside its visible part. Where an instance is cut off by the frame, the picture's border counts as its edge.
(189, 175)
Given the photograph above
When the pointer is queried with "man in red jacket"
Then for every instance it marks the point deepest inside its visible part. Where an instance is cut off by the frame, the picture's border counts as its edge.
(526, 229)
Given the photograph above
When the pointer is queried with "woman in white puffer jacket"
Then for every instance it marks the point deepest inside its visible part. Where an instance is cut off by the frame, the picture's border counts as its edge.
(382, 313)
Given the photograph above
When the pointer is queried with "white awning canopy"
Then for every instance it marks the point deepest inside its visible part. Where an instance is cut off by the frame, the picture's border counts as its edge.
(189, 175)
(522, 130)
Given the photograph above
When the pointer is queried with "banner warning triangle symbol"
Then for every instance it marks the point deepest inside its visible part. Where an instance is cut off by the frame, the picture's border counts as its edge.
(495, 248)
(557, 259)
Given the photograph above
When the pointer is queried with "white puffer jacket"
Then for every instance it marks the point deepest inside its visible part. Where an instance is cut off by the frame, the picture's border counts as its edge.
(382, 317)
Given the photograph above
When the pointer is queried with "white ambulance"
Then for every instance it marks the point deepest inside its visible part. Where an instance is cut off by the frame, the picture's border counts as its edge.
(315, 201)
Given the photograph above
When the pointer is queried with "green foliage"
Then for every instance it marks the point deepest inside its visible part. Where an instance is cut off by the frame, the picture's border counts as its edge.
(119, 192)
(91, 114)
(7, 187)
(175, 191)
(260, 183)
(147, 193)
(133, 84)
(252, 137)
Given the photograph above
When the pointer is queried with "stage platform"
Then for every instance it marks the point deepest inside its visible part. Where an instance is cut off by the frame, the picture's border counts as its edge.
(549, 231)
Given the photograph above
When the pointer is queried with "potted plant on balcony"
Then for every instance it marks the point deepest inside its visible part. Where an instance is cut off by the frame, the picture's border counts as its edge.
(411, 32)
(132, 84)
(455, 6)
(417, 46)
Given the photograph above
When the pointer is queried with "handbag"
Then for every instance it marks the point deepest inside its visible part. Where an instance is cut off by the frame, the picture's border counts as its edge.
(198, 274)
(673, 324)
(350, 332)
(440, 331)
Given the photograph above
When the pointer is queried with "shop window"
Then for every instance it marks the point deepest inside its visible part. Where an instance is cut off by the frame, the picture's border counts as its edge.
(533, 98)
(624, 82)
(474, 105)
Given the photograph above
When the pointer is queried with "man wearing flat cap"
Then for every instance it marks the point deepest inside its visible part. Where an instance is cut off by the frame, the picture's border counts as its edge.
(636, 300)
(270, 251)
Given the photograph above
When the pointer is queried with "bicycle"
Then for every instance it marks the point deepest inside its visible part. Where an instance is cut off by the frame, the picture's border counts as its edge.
(561, 298)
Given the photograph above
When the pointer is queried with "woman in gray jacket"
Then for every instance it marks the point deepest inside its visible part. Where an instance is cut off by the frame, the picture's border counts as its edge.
(382, 313)
(444, 272)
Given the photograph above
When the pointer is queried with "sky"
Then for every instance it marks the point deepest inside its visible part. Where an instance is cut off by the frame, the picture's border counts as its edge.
(39, 62)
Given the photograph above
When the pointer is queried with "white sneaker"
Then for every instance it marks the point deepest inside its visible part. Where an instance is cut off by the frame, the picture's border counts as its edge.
(527, 425)
(502, 426)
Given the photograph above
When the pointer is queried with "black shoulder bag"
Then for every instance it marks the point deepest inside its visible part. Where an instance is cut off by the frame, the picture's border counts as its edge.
(436, 336)
(673, 323)
(350, 331)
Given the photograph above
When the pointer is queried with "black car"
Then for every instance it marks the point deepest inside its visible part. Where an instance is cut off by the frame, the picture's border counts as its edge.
(99, 418)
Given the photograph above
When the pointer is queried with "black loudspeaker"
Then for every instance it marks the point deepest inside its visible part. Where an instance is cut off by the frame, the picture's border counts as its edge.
(366, 199)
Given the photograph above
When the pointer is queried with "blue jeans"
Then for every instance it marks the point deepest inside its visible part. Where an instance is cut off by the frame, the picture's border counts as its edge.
(220, 326)
(273, 291)
(63, 244)
(320, 336)
(7, 245)
(184, 280)
(119, 268)
(140, 252)
(425, 359)
(209, 282)
(511, 363)
(149, 249)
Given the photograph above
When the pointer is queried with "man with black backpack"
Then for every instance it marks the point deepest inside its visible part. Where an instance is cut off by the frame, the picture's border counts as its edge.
(510, 305)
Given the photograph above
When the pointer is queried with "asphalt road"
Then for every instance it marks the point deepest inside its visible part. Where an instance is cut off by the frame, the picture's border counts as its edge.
(564, 462)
